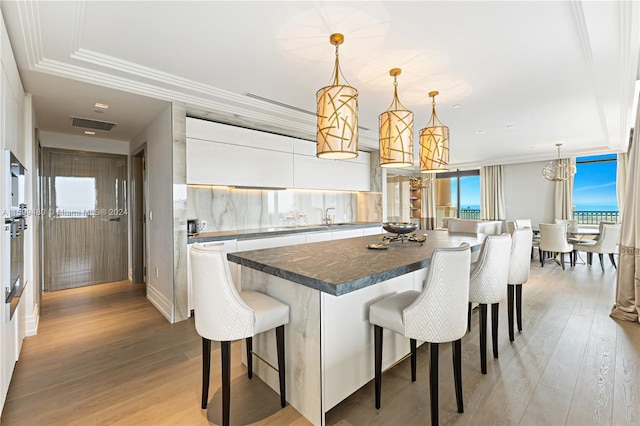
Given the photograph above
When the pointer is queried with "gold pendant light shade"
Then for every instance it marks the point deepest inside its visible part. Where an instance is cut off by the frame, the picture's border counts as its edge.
(396, 131)
(434, 143)
(337, 114)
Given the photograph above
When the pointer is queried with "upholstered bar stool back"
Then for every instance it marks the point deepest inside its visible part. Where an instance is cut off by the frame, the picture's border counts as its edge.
(488, 286)
(519, 266)
(223, 314)
(434, 315)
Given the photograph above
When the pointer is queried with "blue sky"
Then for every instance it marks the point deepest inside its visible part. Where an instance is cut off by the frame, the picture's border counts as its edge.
(594, 186)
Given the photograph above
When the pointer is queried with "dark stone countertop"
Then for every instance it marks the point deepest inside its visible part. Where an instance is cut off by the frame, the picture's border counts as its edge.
(341, 266)
(205, 237)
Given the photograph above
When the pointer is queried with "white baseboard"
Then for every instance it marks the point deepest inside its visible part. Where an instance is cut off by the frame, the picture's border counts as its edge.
(161, 303)
(32, 321)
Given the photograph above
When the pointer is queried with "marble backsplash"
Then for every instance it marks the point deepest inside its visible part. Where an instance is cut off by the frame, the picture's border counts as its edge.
(232, 208)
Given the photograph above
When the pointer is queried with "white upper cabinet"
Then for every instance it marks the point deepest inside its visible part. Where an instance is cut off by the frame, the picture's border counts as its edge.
(219, 154)
(315, 173)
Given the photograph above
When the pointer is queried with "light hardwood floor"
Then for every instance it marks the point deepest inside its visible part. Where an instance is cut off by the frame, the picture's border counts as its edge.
(104, 355)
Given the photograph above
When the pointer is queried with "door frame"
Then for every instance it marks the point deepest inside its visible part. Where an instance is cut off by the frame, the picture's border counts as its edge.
(139, 260)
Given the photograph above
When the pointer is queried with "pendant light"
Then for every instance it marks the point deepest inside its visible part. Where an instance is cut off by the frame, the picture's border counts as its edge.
(434, 143)
(558, 170)
(396, 131)
(337, 132)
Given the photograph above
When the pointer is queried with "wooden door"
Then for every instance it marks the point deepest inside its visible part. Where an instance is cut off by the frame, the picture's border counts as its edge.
(85, 232)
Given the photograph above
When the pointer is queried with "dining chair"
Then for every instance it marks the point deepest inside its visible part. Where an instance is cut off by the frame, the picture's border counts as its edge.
(607, 243)
(572, 224)
(522, 223)
(488, 285)
(519, 265)
(553, 239)
(535, 243)
(223, 314)
(434, 315)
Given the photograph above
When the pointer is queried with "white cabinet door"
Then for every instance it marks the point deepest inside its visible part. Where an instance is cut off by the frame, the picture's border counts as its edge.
(347, 233)
(215, 163)
(373, 231)
(227, 246)
(315, 173)
(315, 237)
(269, 242)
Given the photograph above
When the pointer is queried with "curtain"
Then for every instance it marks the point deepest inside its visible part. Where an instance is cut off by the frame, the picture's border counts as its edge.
(621, 180)
(563, 208)
(429, 200)
(492, 204)
(627, 305)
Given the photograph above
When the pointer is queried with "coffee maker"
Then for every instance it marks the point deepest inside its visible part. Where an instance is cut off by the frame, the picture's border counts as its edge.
(193, 227)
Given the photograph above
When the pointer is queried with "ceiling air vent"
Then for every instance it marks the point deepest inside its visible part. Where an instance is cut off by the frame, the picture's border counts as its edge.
(87, 123)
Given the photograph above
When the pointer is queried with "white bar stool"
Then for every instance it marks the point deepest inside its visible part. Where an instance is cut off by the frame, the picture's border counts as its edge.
(434, 315)
(223, 314)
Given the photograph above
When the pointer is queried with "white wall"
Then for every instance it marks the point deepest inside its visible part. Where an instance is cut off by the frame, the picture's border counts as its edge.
(83, 143)
(12, 99)
(528, 194)
(158, 137)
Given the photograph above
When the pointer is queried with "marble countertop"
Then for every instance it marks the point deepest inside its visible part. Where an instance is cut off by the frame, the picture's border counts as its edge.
(341, 266)
(205, 237)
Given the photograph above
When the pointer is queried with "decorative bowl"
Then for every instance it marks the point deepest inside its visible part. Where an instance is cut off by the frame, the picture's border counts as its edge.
(399, 227)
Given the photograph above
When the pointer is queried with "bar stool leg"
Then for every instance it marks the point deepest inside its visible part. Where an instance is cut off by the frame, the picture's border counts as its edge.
(519, 305)
(249, 344)
(483, 338)
(281, 365)
(206, 365)
(510, 297)
(494, 327)
(225, 349)
(456, 348)
(377, 337)
(433, 382)
(414, 357)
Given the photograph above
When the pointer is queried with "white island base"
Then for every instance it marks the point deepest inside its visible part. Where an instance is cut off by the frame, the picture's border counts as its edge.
(329, 341)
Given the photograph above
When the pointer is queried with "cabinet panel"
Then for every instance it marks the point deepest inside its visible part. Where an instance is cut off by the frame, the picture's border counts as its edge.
(223, 164)
(315, 173)
(349, 233)
(373, 231)
(261, 243)
(227, 134)
(318, 236)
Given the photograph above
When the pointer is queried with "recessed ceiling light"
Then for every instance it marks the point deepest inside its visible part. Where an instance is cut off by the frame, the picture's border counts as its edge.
(89, 132)
(480, 132)
(101, 105)
(509, 126)
(455, 106)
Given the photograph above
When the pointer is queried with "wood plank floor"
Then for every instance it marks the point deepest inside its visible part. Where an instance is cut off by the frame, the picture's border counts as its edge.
(105, 356)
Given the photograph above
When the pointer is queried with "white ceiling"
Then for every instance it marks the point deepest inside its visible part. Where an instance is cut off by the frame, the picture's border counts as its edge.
(555, 72)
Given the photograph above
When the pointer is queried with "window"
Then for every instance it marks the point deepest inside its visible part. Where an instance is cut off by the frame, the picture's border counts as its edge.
(458, 195)
(75, 196)
(594, 189)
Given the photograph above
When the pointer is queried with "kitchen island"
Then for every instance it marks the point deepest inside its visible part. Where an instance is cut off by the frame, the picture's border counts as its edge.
(329, 287)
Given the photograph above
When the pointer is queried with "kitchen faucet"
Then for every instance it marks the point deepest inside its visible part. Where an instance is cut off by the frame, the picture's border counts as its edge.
(327, 218)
